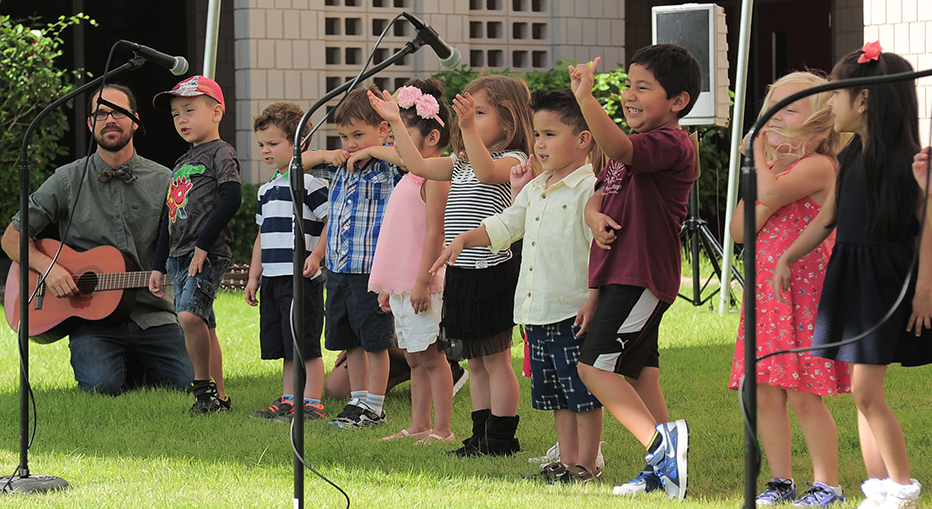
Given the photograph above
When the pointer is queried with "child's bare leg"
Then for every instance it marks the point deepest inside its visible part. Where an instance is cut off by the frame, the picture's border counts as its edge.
(773, 420)
(818, 427)
(441, 387)
(621, 400)
(197, 341)
(869, 450)
(420, 393)
(647, 385)
(313, 381)
(504, 398)
(216, 363)
(288, 377)
(357, 363)
(868, 390)
(378, 371)
(589, 436)
(479, 388)
(567, 436)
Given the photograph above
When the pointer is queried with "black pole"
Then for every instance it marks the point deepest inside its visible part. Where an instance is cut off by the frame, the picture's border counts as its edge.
(296, 178)
(694, 241)
(24, 482)
(749, 195)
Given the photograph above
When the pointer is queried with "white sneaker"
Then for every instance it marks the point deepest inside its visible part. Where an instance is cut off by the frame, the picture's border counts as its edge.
(553, 454)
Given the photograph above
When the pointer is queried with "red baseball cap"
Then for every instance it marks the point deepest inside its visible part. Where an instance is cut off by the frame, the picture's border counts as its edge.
(193, 86)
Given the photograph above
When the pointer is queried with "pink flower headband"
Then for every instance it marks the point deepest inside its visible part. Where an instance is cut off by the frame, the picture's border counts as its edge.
(427, 105)
(871, 52)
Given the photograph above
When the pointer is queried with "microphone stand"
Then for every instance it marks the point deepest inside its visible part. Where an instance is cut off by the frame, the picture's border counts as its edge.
(24, 482)
(297, 192)
(749, 195)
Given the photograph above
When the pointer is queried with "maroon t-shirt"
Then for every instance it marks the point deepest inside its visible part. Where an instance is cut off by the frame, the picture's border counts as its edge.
(648, 200)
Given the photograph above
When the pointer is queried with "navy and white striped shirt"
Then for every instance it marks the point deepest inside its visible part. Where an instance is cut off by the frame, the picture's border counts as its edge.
(275, 217)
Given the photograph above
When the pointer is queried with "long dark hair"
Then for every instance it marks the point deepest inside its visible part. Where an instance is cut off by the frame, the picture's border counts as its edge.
(892, 118)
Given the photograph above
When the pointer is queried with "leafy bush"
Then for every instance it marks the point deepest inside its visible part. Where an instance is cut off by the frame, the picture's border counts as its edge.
(29, 82)
(243, 225)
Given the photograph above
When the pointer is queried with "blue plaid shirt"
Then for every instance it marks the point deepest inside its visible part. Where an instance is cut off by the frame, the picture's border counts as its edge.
(357, 206)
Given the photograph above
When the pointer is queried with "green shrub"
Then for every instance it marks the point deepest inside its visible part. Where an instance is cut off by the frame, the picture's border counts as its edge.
(243, 225)
(29, 82)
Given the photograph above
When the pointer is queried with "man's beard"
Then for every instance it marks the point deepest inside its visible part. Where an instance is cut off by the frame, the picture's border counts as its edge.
(113, 145)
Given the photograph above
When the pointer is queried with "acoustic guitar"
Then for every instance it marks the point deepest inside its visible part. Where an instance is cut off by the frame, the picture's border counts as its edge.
(107, 282)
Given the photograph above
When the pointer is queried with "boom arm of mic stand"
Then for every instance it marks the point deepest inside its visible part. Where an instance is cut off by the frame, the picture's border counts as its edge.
(132, 65)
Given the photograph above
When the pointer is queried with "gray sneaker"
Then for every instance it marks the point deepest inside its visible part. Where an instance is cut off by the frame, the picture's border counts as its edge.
(357, 415)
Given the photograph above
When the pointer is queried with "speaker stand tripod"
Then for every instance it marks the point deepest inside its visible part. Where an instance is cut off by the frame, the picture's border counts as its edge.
(696, 233)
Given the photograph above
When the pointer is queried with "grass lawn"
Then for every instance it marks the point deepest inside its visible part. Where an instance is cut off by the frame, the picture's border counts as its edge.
(142, 449)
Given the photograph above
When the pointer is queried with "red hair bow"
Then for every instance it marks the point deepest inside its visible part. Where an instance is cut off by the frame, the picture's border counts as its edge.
(871, 52)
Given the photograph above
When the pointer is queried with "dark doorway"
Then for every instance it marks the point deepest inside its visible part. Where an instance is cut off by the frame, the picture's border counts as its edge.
(784, 41)
(164, 28)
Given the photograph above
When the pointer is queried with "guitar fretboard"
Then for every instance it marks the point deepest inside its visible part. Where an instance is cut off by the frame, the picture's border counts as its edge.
(89, 281)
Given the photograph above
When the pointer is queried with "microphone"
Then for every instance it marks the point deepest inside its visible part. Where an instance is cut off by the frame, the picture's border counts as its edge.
(449, 57)
(177, 65)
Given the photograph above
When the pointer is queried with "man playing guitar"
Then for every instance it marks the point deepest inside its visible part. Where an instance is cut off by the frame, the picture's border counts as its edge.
(112, 198)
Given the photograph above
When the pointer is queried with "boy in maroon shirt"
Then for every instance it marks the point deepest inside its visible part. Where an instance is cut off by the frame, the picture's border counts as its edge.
(635, 215)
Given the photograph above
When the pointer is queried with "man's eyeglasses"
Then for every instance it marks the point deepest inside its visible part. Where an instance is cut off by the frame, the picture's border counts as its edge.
(101, 116)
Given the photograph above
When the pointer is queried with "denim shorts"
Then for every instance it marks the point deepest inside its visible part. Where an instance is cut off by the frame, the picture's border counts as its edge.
(196, 294)
(354, 318)
(555, 383)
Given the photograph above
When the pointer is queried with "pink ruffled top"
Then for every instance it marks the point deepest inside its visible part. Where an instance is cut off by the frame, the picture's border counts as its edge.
(400, 248)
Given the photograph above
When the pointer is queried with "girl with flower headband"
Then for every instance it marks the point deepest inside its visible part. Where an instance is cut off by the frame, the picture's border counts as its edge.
(795, 164)
(875, 207)
(410, 240)
(495, 127)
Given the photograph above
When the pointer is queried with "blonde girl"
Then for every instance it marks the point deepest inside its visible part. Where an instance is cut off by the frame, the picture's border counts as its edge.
(795, 163)
(495, 132)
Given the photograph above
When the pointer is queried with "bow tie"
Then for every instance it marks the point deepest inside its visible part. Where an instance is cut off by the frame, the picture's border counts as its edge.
(120, 173)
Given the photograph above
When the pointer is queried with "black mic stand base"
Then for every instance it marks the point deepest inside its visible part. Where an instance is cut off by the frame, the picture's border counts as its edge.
(31, 484)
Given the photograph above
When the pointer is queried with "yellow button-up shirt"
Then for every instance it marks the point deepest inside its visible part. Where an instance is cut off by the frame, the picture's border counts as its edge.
(554, 279)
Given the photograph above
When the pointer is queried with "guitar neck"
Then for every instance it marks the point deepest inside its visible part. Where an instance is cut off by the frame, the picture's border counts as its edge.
(125, 280)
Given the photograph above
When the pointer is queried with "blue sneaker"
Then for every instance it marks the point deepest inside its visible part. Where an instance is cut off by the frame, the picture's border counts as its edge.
(777, 492)
(669, 459)
(819, 495)
(646, 482)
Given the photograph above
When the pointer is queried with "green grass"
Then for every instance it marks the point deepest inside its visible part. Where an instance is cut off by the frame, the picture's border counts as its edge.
(142, 449)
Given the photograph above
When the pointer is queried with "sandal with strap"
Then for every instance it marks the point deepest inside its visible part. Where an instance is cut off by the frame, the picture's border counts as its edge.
(433, 437)
(407, 434)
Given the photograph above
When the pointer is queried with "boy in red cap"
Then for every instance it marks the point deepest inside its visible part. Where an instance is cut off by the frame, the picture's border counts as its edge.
(195, 241)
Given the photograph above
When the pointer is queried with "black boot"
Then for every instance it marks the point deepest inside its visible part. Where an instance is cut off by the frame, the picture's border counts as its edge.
(471, 444)
(499, 439)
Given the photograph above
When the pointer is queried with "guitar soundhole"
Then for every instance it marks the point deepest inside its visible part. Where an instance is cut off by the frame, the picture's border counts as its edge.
(87, 283)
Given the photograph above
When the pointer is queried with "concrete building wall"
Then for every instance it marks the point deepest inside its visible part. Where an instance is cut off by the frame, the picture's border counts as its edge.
(298, 50)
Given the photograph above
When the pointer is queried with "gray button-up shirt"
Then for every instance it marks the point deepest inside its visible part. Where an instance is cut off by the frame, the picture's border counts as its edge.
(122, 214)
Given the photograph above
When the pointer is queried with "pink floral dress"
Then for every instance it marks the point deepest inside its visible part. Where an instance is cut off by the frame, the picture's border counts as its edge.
(782, 327)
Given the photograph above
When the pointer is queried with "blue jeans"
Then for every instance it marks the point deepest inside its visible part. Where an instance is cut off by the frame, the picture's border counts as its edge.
(111, 359)
(196, 294)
